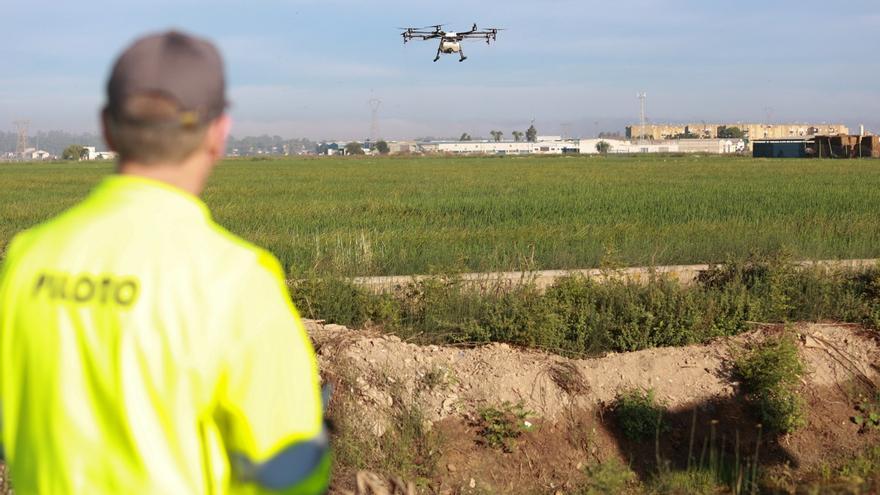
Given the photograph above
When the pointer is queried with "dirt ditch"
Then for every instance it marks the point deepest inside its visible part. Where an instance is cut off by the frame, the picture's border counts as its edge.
(563, 402)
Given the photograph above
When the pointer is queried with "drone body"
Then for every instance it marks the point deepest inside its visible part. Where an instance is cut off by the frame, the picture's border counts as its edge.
(450, 42)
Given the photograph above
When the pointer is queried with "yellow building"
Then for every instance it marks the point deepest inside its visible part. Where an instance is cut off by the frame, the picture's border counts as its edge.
(752, 131)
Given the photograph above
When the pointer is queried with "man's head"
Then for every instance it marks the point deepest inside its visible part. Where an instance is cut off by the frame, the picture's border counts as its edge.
(166, 101)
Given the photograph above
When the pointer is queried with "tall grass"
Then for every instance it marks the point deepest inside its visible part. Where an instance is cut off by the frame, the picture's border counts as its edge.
(420, 215)
(579, 316)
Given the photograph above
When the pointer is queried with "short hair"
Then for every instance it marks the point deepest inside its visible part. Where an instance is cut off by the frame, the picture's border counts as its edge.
(150, 128)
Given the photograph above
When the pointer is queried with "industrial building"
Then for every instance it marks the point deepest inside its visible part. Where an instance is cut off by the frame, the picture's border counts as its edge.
(838, 146)
(781, 148)
(94, 154)
(556, 145)
(751, 131)
(544, 145)
(845, 146)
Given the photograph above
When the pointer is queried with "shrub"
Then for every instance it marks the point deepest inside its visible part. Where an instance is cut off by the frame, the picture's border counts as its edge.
(577, 316)
(770, 373)
(501, 426)
(638, 415)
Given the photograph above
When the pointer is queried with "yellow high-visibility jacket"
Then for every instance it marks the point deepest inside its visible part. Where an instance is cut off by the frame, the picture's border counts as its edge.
(144, 349)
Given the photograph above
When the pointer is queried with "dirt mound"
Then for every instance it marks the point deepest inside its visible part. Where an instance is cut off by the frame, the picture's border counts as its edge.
(563, 397)
(456, 379)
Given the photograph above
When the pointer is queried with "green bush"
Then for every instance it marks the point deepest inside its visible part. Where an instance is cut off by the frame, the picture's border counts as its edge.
(770, 373)
(501, 426)
(638, 415)
(577, 316)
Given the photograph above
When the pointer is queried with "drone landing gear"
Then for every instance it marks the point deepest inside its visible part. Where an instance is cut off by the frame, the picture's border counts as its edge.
(438, 52)
(463, 58)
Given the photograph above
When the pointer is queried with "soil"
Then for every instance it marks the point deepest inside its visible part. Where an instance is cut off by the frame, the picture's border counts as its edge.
(567, 399)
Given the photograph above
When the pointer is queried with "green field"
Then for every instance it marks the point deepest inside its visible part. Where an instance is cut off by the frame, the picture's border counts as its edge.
(420, 215)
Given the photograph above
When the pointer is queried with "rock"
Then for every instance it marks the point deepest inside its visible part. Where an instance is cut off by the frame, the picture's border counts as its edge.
(473, 483)
(451, 468)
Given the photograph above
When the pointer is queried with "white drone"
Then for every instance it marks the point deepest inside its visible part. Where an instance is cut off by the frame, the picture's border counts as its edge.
(449, 42)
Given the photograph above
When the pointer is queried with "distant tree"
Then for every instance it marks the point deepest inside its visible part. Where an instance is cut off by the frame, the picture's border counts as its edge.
(382, 147)
(496, 135)
(532, 134)
(603, 147)
(74, 152)
(610, 135)
(354, 148)
(517, 136)
(465, 137)
(725, 132)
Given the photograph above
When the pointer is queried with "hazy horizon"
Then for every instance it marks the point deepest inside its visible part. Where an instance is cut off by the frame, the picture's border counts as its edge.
(307, 68)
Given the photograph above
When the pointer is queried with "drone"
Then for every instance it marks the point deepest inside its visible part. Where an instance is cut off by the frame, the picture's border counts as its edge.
(449, 42)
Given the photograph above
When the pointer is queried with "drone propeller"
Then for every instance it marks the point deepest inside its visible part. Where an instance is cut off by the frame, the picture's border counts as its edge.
(433, 26)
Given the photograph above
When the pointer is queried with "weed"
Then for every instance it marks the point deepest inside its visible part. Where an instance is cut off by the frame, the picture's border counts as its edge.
(693, 482)
(771, 372)
(411, 449)
(638, 415)
(611, 476)
(408, 448)
(433, 378)
(581, 426)
(859, 474)
(500, 426)
(867, 415)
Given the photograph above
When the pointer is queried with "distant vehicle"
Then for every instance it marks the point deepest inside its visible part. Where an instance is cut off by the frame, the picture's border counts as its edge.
(450, 42)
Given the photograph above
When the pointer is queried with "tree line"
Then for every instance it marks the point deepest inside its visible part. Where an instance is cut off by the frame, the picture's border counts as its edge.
(531, 135)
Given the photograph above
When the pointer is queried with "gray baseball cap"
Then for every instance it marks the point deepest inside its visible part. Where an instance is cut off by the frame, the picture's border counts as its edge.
(184, 68)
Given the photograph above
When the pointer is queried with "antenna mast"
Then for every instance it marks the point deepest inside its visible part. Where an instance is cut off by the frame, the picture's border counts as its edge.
(375, 103)
(21, 126)
(643, 114)
(566, 130)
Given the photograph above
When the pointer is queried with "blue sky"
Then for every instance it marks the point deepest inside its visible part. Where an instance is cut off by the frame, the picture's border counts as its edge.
(308, 68)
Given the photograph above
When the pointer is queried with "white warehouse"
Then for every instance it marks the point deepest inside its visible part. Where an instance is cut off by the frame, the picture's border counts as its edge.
(556, 145)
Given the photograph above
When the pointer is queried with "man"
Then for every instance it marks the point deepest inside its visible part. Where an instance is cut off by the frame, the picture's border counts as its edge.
(144, 349)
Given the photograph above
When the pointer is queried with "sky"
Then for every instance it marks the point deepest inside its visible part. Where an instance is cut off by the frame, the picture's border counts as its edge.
(309, 68)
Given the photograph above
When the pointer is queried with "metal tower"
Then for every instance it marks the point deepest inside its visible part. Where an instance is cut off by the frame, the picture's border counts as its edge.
(643, 114)
(375, 103)
(21, 126)
(566, 130)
